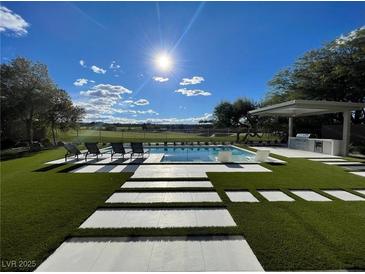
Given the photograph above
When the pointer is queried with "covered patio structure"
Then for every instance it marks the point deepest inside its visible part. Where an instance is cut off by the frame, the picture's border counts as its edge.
(301, 108)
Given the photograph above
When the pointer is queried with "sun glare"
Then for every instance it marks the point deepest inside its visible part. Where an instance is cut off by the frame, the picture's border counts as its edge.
(163, 62)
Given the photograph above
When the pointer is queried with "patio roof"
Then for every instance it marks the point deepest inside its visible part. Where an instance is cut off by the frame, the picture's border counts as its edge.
(298, 108)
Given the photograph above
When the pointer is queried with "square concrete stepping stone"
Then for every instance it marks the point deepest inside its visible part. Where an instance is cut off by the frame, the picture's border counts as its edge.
(361, 191)
(328, 160)
(241, 196)
(142, 254)
(87, 169)
(166, 184)
(164, 197)
(310, 195)
(159, 218)
(343, 163)
(344, 195)
(360, 173)
(192, 171)
(355, 168)
(105, 169)
(276, 196)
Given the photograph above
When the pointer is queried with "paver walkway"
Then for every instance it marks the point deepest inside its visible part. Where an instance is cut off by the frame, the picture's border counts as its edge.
(276, 196)
(171, 171)
(360, 173)
(357, 168)
(164, 197)
(344, 195)
(295, 153)
(310, 195)
(196, 253)
(192, 171)
(241, 196)
(306, 194)
(166, 184)
(159, 218)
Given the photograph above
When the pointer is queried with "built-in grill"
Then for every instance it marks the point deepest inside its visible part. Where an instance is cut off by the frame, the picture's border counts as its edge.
(309, 142)
(304, 135)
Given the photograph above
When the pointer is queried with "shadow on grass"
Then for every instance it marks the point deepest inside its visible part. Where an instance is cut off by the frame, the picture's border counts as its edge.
(47, 168)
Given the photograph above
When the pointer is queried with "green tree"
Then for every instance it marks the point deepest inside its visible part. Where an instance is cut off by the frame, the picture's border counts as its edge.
(25, 92)
(335, 72)
(234, 115)
(62, 114)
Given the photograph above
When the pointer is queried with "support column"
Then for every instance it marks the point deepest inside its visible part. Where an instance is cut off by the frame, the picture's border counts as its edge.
(290, 132)
(346, 132)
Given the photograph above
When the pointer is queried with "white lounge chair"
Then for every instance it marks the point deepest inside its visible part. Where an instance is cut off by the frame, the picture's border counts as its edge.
(262, 155)
(225, 156)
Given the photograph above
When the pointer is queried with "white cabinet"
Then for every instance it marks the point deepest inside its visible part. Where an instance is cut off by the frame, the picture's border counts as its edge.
(326, 146)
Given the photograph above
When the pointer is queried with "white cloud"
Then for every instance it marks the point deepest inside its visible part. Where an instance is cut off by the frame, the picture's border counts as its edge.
(12, 22)
(128, 102)
(141, 102)
(132, 111)
(98, 70)
(106, 90)
(82, 63)
(114, 65)
(81, 81)
(193, 92)
(115, 119)
(160, 79)
(192, 81)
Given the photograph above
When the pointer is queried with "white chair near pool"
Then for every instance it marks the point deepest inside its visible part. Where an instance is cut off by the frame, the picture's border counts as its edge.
(262, 155)
(225, 156)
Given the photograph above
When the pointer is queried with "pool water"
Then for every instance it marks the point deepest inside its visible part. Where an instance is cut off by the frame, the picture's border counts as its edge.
(200, 153)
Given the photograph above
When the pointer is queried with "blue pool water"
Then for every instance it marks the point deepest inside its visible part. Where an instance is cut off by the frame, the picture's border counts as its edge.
(200, 153)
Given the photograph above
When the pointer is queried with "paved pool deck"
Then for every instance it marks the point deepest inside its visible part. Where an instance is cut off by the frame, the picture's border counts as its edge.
(295, 153)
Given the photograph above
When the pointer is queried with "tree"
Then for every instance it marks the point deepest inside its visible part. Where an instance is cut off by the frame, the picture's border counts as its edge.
(62, 113)
(234, 114)
(223, 114)
(335, 72)
(25, 92)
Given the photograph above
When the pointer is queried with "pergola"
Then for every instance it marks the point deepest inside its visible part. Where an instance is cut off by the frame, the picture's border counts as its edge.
(300, 108)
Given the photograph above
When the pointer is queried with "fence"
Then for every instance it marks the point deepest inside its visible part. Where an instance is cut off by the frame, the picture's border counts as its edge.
(161, 135)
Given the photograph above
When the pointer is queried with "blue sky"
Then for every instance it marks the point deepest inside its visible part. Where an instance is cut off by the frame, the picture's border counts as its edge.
(223, 50)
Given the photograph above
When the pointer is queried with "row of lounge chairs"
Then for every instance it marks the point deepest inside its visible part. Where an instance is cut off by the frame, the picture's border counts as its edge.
(116, 148)
(183, 143)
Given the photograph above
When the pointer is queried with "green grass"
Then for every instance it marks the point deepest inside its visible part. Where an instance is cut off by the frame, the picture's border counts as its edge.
(40, 209)
(299, 235)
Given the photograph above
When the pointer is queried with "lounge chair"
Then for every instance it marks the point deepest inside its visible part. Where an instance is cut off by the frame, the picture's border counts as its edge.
(137, 148)
(92, 148)
(72, 150)
(118, 148)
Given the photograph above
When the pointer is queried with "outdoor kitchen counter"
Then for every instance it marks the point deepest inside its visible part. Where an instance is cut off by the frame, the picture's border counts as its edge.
(325, 146)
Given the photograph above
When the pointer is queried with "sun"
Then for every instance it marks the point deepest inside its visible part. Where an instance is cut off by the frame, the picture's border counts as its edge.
(163, 62)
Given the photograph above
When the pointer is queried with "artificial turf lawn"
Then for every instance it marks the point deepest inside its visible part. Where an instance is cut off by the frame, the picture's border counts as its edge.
(40, 209)
(299, 235)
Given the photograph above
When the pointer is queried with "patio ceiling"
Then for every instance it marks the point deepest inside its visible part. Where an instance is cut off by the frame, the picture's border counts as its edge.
(298, 108)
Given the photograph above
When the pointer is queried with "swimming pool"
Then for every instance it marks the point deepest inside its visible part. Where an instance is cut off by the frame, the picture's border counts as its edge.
(200, 153)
